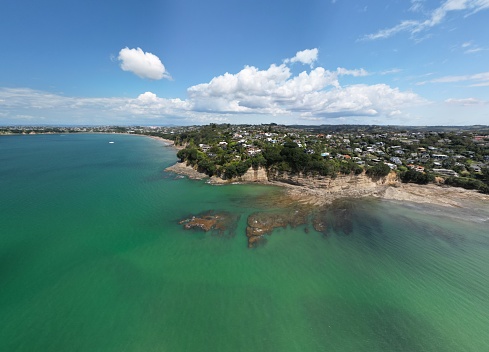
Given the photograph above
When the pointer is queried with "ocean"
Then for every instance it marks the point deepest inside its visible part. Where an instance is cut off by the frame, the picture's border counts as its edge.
(93, 258)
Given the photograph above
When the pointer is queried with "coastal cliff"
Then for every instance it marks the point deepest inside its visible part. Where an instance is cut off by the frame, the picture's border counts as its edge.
(252, 175)
(341, 185)
(319, 190)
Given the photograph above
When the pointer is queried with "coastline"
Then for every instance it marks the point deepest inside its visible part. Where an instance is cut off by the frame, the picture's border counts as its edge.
(168, 142)
(454, 197)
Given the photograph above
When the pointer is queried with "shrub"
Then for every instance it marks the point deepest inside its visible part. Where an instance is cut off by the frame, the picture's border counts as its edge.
(416, 177)
(379, 170)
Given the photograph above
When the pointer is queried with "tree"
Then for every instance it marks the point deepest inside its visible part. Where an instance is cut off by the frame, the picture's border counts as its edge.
(421, 178)
(379, 170)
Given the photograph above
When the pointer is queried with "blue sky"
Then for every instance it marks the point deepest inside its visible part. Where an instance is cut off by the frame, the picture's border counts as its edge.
(186, 62)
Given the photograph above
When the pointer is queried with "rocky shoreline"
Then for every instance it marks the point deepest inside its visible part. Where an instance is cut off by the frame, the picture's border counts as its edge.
(318, 192)
(321, 203)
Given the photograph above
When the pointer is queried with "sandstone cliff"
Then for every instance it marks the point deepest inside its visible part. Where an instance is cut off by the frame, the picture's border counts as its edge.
(319, 190)
(336, 184)
(259, 175)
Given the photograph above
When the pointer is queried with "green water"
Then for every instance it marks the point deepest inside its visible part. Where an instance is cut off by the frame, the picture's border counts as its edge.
(92, 258)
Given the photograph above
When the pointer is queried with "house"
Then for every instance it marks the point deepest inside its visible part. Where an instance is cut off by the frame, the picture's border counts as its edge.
(396, 160)
(439, 156)
(204, 147)
(476, 168)
(445, 172)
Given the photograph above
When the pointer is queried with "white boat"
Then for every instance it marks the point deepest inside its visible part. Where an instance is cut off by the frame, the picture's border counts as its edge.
(111, 142)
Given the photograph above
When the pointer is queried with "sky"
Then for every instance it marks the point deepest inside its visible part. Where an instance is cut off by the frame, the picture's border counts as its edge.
(193, 62)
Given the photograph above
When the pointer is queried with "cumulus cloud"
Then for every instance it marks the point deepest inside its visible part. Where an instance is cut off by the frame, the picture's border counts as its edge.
(316, 93)
(306, 57)
(142, 64)
(16, 102)
(435, 17)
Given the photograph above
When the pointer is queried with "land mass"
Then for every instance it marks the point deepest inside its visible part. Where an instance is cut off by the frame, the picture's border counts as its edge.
(320, 191)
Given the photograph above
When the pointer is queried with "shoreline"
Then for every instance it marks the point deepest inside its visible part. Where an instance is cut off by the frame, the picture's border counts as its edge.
(169, 142)
(446, 196)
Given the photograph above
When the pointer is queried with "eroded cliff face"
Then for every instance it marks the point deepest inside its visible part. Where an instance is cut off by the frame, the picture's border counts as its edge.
(259, 175)
(341, 185)
(349, 185)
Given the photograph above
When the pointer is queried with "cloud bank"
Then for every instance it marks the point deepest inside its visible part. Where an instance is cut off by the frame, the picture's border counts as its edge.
(142, 64)
(314, 95)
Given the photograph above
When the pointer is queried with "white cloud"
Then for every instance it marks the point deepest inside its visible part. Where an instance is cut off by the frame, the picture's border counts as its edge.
(260, 94)
(416, 5)
(436, 17)
(465, 102)
(61, 109)
(476, 80)
(316, 93)
(391, 71)
(471, 48)
(142, 64)
(306, 57)
(355, 73)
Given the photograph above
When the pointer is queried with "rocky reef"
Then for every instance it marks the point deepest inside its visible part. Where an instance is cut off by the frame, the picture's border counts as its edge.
(337, 217)
(219, 223)
(260, 224)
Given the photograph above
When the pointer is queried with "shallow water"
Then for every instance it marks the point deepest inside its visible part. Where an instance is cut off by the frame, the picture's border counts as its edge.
(92, 258)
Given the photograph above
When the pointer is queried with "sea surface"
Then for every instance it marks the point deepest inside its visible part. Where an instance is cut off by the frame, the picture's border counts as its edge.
(93, 258)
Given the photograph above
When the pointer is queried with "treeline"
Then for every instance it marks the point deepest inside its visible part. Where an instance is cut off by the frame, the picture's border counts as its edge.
(232, 161)
(481, 183)
(413, 176)
(219, 161)
(468, 183)
(289, 157)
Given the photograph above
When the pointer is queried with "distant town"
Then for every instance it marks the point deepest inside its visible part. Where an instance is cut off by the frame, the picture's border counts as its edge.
(457, 156)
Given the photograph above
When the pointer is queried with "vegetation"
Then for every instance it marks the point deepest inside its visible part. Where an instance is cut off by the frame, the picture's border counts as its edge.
(468, 183)
(421, 178)
(379, 170)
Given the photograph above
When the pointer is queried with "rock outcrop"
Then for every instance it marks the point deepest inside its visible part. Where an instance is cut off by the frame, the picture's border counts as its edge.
(252, 175)
(361, 183)
(260, 224)
(220, 223)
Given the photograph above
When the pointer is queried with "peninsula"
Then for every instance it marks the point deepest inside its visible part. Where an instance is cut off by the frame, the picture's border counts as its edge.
(339, 160)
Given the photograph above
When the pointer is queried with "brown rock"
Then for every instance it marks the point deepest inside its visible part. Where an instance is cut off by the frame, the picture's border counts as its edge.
(220, 223)
(260, 224)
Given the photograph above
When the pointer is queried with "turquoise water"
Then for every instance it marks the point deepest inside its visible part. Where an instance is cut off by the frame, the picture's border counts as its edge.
(92, 258)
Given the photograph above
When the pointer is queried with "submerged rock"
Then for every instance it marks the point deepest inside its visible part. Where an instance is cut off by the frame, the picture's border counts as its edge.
(260, 224)
(319, 223)
(220, 223)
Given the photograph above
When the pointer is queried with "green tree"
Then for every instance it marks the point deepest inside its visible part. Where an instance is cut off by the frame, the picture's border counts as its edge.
(379, 170)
